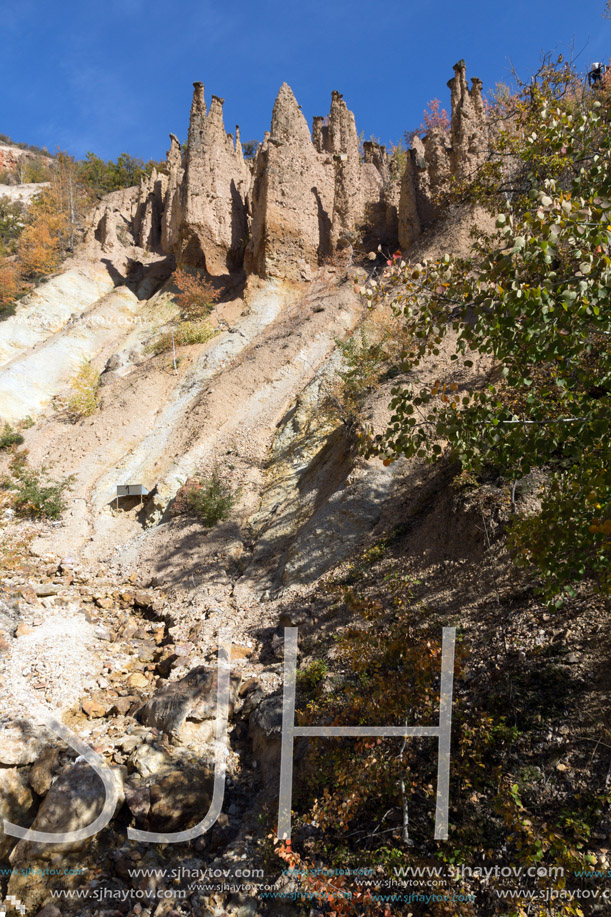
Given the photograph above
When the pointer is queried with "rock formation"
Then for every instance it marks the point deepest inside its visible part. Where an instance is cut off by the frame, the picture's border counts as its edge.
(212, 225)
(441, 156)
(292, 198)
(114, 219)
(468, 131)
(149, 209)
(305, 196)
(343, 143)
(170, 225)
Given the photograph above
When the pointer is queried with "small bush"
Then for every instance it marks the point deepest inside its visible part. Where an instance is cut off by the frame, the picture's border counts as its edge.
(84, 386)
(196, 296)
(184, 333)
(311, 676)
(209, 498)
(9, 437)
(33, 494)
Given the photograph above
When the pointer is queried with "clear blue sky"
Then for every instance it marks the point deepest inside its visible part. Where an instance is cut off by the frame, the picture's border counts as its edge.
(116, 75)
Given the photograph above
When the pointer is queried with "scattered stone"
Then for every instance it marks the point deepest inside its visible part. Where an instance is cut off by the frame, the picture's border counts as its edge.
(166, 664)
(129, 743)
(47, 589)
(49, 910)
(137, 680)
(144, 599)
(103, 602)
(94, 708)
(21, 743)
(138, 799)
(240, 652)
(294, 617)
(146, 651)
(28, 594)
(248, 686)
(122, 705)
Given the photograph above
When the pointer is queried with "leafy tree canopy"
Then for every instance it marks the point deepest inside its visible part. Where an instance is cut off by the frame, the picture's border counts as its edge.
(532, 302)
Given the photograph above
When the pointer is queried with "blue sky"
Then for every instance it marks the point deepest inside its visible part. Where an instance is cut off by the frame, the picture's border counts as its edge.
(116, 75)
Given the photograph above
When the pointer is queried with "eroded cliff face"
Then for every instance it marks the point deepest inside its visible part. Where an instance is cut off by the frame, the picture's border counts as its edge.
(442, 156)
(116, 615)
(210, 227)
(292, 198)
(304, 197)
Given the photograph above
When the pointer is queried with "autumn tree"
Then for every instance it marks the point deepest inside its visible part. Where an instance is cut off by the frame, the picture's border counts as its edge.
(55, 219)
(36, 169)
(40, 245)
(10, 285)
(196, 295)
(434, 117)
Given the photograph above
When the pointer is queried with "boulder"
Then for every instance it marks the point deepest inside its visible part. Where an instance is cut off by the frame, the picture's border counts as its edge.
(180, 798)
(149, 758)
(73, 802)
(21, 742)
(193, 697)
(138, 799)
(94, 708)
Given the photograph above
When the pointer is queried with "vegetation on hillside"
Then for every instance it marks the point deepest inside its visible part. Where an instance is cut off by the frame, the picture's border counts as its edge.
(195, 297)
(209, 497)
(515, 800)
(30, 492)
(34, 243)
(532, 300)
(102, 176)
(84, 391)
(530, 306)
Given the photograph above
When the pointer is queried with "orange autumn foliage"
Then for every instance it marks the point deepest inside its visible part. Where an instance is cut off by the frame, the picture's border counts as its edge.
(196, 295)
(40, 245)
(9, 283)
